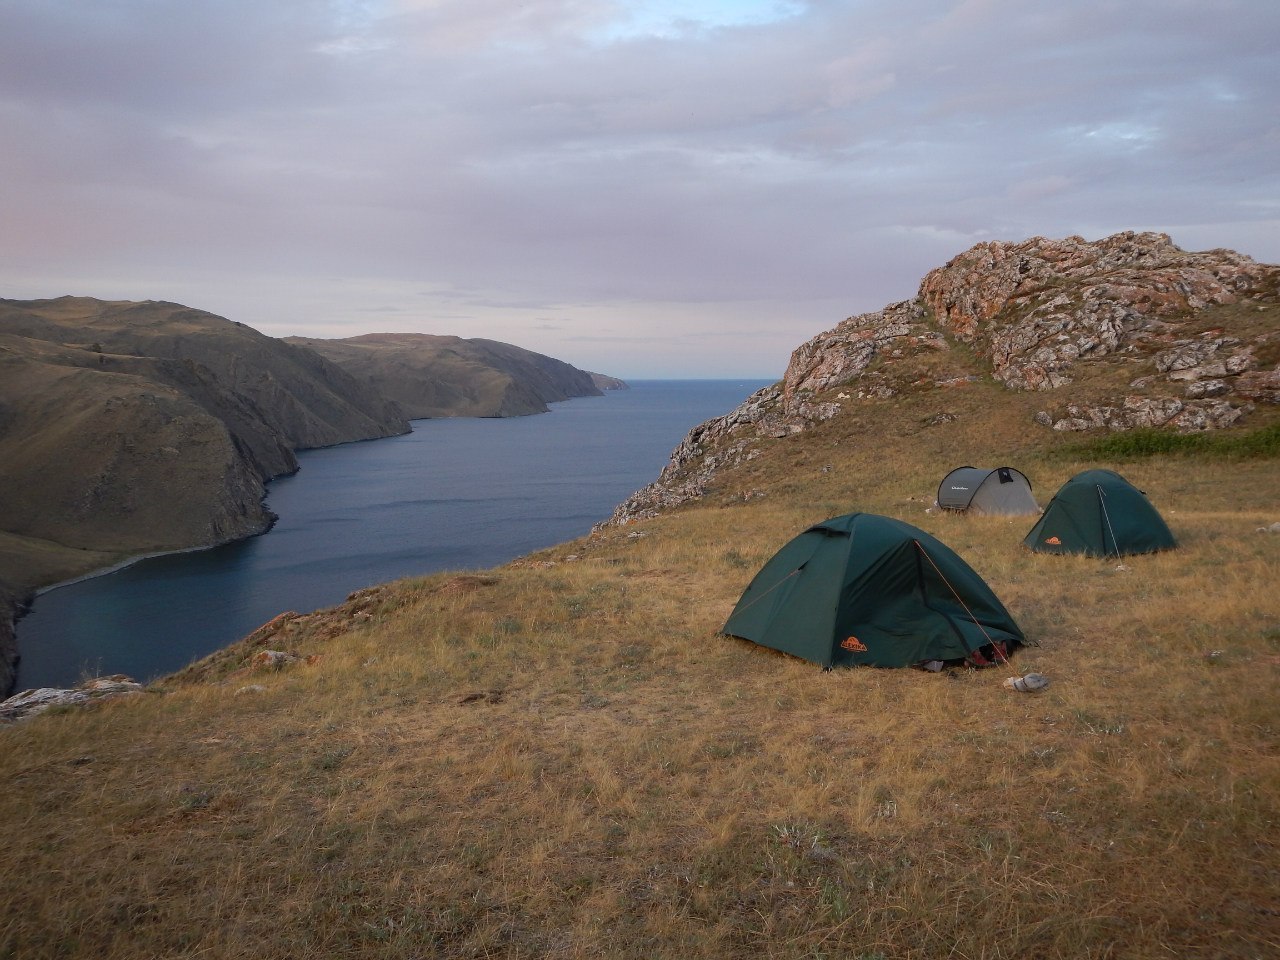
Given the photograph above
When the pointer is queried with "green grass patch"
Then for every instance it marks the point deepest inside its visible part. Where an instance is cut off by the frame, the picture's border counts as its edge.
(1259, 443)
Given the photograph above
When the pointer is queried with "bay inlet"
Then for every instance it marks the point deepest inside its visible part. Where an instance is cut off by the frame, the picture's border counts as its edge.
(455, 494)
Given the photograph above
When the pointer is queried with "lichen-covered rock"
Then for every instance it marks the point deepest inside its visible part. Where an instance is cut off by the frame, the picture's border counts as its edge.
(29, 703)
(1039, 307)
(1210, 415)
(1144, 412)
(273, 659)
(840, 354)
(1207, 388)
(1260, 385)
(1190, 354)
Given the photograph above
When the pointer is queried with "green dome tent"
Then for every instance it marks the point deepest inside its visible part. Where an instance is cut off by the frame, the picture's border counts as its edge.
(1100, 514)
(866, 589)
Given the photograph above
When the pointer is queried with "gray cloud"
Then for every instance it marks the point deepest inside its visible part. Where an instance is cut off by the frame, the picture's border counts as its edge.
(475, 165)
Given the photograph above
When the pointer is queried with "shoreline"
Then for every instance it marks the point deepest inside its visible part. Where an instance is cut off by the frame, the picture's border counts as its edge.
(130, 561)
(123, 562)
(14, 609)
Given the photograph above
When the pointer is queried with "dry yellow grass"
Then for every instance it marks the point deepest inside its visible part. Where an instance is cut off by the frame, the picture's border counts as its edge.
(561, 758)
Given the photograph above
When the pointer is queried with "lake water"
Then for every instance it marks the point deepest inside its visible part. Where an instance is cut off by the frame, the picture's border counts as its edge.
(454, 494)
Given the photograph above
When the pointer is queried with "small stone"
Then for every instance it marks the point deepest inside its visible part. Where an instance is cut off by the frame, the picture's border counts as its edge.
(1027, 684)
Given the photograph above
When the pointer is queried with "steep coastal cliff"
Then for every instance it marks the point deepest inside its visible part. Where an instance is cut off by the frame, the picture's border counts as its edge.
(130, 428)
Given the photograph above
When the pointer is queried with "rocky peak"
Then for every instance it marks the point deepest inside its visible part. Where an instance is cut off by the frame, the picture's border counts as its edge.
(1033, 312)
(1038, 307)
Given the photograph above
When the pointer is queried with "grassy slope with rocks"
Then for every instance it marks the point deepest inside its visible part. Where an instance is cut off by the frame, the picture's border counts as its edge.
(561, 757)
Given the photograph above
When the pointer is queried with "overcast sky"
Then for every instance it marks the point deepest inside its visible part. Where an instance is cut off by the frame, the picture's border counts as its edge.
(644, 188)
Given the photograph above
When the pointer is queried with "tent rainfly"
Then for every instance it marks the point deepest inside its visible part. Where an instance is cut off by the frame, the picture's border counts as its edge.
(1003, 490)
(1100, 514)
(866, 589)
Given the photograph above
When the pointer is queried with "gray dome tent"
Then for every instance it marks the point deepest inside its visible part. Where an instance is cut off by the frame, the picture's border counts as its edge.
(1002, 490)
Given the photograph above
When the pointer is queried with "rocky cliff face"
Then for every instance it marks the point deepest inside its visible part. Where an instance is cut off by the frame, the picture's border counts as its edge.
(1166, 338)
(441, 376)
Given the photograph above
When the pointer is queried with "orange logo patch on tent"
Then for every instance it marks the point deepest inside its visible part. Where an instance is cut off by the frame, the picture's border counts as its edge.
(853, 643)
(1055, 541)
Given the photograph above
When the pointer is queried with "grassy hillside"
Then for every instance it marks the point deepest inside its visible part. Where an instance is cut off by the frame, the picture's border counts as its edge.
(445, 376)
(562, 758)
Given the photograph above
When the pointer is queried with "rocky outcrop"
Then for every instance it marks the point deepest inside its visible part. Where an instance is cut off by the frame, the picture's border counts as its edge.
(1039, 307)
(1139, 412)
(1260, 385)
(441, 376)
(841, 354)
(704, 450)
(29, 703)
(1033, 312)
(832, 359)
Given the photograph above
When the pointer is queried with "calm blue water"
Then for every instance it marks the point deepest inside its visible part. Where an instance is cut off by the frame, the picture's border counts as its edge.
(454, 494)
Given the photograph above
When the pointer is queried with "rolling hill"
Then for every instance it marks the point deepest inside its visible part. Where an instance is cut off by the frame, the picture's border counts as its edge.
(435, 376)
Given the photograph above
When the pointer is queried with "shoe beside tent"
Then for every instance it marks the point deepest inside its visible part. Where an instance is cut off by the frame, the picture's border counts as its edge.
(866, 589)
(1002, 490)
(1100, 514)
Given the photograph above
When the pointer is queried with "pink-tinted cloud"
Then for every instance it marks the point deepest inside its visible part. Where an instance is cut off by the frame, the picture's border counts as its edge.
(480, 165)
